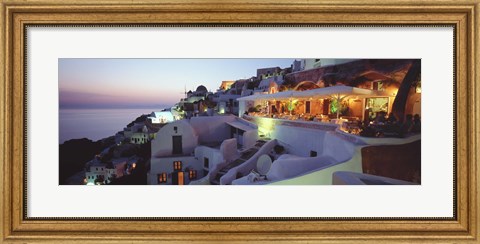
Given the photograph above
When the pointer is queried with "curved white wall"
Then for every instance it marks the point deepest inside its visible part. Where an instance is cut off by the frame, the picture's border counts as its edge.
(248, 165)
(323, 176)
(288, 166)
(300, 141)
(335, 150)
(162, 144)
(212, 128)
(338, 148)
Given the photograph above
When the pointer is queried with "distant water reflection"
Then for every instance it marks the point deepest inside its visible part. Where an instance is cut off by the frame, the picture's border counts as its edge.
(95, 124)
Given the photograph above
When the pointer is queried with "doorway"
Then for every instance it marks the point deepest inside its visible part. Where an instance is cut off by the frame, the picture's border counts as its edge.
(177, 178)
(177, 145)
(307, 107)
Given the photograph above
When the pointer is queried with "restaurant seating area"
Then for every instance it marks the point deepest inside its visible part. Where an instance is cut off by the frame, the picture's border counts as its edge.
(356, 111)
(350, 124)
(309, 117)
(301, 117)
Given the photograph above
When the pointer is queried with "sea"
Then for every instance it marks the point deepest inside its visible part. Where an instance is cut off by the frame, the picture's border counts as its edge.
(96, 124)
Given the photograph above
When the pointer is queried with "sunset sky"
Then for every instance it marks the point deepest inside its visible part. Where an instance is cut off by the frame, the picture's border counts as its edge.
(142, 83)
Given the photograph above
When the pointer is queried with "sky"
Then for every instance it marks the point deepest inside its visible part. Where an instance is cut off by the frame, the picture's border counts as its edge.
(146, 83)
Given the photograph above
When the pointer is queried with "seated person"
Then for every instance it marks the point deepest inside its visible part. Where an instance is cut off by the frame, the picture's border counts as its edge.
(380, 118)
(391, 119)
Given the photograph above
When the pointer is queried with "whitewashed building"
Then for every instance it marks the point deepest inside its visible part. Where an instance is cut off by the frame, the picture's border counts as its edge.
(161, 117)
(312, 63)
(98, 173)
(186, 150)
(141, 136)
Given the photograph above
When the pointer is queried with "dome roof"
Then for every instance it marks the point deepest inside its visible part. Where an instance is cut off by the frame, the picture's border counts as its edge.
(201, 88)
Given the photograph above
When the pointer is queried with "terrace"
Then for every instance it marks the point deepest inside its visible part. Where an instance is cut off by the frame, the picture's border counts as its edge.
(349, 108)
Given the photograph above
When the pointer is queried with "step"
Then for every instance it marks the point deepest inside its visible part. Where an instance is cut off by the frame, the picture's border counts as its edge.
(232, 165)
(243, 157)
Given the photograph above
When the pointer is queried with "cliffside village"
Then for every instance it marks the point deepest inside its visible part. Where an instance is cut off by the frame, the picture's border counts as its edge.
(317, 122)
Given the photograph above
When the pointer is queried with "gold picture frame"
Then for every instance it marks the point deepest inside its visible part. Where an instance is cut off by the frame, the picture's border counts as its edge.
(17, 14)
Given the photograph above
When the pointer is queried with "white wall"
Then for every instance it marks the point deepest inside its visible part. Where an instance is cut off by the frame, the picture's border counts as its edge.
(289, 166)
(162, 144)
(229, 151)
(248, 165)
(338, 148)
(324, 176)
(299, 141)
(212, 128)
(250, 138)
(139, 138)
(161, 117)
(331, 150)
(242, 107)
(338, 154)
(214, 156)
(165, 165)
(91, 175)
(308, 64)
(153, 120)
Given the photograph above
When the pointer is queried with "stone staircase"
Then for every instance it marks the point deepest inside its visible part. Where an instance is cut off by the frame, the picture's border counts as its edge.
(247, 154)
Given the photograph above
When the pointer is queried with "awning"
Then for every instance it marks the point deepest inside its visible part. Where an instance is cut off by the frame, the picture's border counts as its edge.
(326, 92)
(240, 126)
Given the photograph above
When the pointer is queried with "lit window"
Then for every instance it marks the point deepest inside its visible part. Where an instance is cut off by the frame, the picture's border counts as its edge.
(162, 178)
(177, 165)
(192, 174)
(418, 87)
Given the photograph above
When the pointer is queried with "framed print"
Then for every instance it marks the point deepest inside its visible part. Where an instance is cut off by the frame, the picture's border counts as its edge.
(239, 121)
